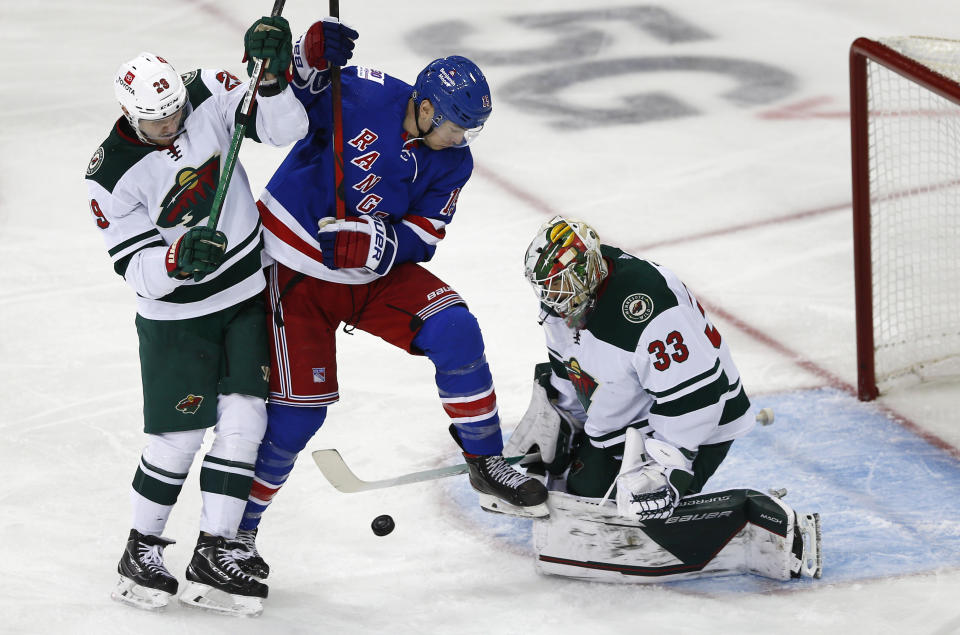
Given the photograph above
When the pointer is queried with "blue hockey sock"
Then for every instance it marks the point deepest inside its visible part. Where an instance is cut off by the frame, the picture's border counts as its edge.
(288, 430)
(451, 339)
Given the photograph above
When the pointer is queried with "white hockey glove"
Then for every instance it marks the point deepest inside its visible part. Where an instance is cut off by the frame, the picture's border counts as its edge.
(650, 489)
(547, 428)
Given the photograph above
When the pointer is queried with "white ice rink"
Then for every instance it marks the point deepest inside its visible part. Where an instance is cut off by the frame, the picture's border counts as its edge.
(712, 137)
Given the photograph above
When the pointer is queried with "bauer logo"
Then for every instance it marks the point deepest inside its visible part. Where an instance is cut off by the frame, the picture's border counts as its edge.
(189, 404)
(638, 308)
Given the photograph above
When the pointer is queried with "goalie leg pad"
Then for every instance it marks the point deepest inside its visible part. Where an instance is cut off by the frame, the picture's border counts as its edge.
(722, 533)
(545, 428)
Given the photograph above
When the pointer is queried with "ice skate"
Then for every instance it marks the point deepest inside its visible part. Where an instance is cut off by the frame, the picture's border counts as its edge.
(144, 580)
(250, 561)
(807, 555)
(215, 581)
(504, 490)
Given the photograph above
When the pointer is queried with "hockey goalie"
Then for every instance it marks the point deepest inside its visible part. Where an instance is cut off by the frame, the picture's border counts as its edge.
(637, 407)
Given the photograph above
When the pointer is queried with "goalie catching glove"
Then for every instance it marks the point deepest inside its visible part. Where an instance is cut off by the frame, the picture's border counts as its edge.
(544, 426)
(195, 254)
(653, 477)
(357, 241)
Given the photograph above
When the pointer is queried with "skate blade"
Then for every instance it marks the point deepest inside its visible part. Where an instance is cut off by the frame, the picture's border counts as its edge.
(812, 564)
(205, 597)
(493, 504)
(129, 592)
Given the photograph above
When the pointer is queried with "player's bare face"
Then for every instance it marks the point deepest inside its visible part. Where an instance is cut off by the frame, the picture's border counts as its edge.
(163, 131)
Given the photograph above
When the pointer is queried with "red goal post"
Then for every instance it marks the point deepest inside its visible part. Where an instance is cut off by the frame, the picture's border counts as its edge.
(905, 130)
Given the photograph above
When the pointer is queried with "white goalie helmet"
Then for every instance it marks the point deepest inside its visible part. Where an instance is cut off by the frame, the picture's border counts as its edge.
(565, 267)
(152, 95)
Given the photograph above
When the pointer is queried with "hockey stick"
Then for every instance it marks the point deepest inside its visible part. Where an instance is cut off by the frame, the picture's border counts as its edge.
(341, 477)
(337, 128)
(246, 109)
(335, 469)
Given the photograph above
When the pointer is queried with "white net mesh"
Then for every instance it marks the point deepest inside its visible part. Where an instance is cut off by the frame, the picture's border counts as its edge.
(914, 147)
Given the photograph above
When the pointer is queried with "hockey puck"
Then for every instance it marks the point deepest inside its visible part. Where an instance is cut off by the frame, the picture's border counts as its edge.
(382, 525)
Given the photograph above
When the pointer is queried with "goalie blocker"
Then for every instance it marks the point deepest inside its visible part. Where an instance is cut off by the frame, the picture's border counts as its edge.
(731, 532)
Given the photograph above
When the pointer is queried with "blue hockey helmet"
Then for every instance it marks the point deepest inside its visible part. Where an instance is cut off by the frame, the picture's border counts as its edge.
(458, 91)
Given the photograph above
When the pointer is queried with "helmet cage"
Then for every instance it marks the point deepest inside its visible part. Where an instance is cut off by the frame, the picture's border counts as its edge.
(565, 267)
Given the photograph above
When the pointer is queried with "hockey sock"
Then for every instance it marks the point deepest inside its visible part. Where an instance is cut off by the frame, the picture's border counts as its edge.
(156, 485)
(288, 431)
(451, 339)
(227, 470)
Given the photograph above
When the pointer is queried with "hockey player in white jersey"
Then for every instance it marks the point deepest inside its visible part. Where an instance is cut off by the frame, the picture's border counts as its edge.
(641, 401)
(200, 316)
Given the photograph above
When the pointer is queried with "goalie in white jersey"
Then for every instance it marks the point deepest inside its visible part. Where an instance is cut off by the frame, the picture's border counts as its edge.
(200, 317)
(641, 400)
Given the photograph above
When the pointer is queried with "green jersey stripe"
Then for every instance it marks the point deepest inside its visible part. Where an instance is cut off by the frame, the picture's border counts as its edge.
(249, 265)
(708, 395)
(151, 234)
(735, 407)
(686, 384)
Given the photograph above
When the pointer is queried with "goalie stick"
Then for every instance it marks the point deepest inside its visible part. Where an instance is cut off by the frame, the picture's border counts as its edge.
(246, 108)
(335, 470)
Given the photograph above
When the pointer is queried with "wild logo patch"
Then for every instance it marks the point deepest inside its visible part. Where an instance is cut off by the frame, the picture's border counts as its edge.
(638, 307)
(188, 77)
(95, 162)
(190, 200)
(190, 404)
(583, 383)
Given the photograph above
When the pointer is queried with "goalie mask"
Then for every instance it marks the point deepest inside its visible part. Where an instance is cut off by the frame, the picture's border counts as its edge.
(565, 267)
(153, 97)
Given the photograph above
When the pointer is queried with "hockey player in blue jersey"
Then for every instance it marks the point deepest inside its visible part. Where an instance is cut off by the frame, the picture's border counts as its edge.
(405, 161)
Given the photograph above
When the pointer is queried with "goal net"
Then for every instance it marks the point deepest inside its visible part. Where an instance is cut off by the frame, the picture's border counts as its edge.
(905, 126)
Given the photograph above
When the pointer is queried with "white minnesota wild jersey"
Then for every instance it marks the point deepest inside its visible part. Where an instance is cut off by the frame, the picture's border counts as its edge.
(648, 354)
(143, 197)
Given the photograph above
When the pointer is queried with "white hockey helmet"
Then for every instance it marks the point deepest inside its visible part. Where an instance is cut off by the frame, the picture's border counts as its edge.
(149, 89)
(565, 267)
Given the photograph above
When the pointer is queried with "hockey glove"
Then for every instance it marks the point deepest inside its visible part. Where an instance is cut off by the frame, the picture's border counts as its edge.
(545, 427)
(652, 489)
(269, 39)
(357, 241)
(327, 41)
(195, 254)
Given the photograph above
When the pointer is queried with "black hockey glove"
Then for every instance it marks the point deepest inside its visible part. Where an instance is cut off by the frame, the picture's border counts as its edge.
(197, 253)
(269, 39)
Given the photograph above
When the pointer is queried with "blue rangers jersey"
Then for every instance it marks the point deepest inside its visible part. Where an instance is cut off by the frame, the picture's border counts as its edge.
(387, 174)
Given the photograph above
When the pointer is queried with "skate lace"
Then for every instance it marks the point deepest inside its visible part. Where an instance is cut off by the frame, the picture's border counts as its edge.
(249, 540)
(151, 556)
(501, 472)
(228, 560)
